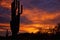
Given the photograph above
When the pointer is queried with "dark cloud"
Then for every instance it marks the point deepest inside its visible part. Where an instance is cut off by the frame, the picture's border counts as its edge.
(4, 11)
(47, 5)
(4, 20)
(24, 20)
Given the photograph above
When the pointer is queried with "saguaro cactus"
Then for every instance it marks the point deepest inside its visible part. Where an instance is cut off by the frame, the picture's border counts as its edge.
(15, 19)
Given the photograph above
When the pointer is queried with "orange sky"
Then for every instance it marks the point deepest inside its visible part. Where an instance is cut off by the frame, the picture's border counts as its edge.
(41, 20)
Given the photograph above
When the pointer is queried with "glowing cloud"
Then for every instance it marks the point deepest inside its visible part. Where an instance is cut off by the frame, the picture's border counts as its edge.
(38, 15)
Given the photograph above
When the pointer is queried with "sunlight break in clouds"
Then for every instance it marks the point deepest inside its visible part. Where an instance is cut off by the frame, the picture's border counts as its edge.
(40, 17)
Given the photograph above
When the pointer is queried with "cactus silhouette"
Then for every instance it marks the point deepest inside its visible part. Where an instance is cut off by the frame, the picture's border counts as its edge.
(7, 34)
(15, 19)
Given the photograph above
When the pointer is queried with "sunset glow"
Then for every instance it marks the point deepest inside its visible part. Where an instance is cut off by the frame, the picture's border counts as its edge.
(33, 19)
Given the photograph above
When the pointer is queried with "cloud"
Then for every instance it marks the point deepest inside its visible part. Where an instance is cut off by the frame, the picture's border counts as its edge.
(46, 5)
(4, 20)
(5, 26)
(5, 3)
(40, 19)
(36, 14)
(24, 20)
(4, 15)
(4, 11)
(39, 16)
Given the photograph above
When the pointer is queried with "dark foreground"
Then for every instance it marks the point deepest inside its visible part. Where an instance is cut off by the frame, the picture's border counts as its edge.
(38, 36)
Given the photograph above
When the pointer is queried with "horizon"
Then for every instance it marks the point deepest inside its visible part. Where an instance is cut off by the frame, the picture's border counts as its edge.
(36, 14)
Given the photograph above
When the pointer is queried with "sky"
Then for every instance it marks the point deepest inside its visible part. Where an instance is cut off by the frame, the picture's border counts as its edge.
(38, 15)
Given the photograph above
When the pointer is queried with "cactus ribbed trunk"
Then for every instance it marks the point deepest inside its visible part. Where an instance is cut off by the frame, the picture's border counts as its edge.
(15, 19)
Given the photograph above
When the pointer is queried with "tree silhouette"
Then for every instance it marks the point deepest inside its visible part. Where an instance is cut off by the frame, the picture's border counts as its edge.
(58, 29)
